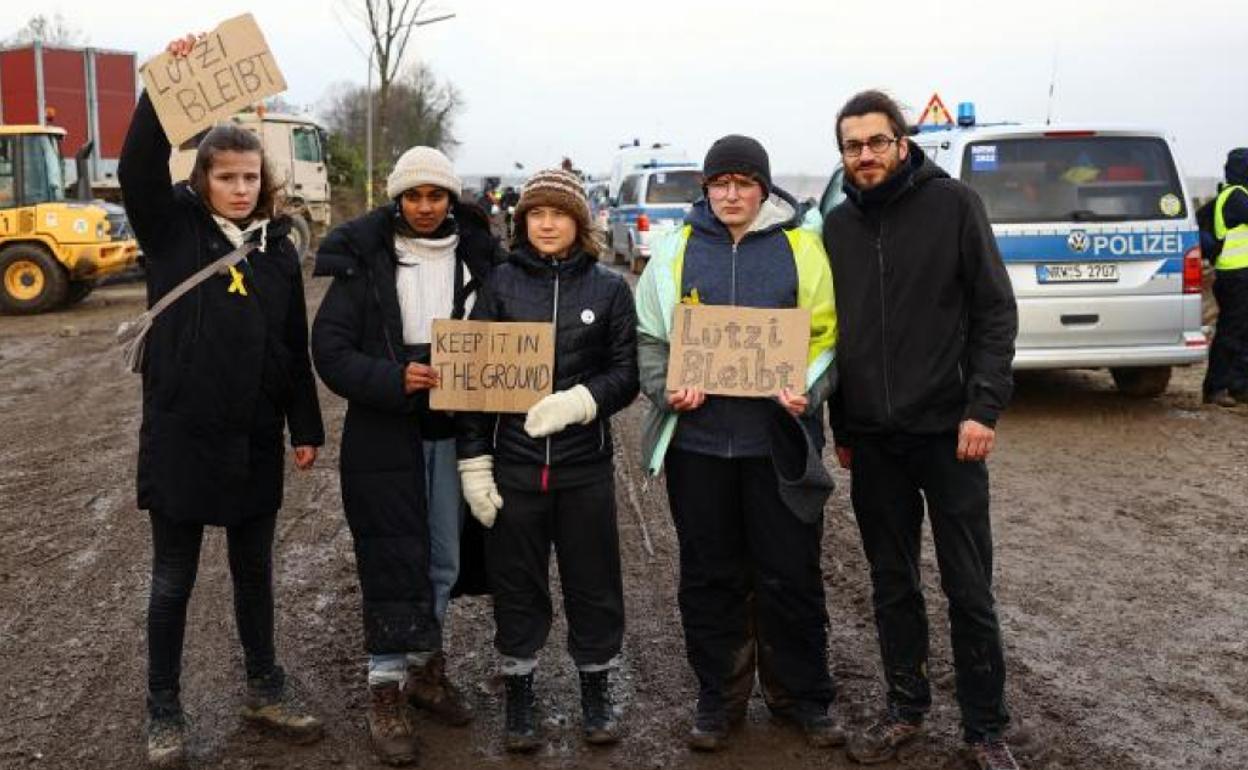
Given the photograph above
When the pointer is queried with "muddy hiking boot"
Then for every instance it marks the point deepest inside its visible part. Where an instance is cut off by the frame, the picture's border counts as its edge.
(1223, 398)
(880, 742)
(272, 706)
(597, 710)
(428, 688)
(391, 728)
(520, 734)
(712, 724)
(992, 755)
(166, 741)
(821, 727)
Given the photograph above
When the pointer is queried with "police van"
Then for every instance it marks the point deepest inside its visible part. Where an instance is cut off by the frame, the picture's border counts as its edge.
(653, 200)
(1099, 238)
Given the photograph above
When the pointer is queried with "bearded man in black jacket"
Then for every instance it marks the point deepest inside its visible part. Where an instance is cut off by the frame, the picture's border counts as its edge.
(928, 322)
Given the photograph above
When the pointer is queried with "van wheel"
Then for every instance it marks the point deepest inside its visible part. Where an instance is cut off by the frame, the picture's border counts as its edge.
(31, 281)
(78, 291)
(1141, 381)
(300, 235)
(639, 264)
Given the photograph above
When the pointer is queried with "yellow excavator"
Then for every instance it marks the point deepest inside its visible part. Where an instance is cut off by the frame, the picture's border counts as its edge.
(53, 250)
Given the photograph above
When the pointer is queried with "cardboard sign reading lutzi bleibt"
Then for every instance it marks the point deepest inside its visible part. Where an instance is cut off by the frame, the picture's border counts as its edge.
(491, 366)
(738, 351)
(229, 69)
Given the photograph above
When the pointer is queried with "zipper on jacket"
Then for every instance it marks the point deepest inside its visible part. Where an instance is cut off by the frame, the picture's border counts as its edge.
(381, 312)
(498, 418)
(879, 252)
(733, 293)
(554, 321)
(602, 434)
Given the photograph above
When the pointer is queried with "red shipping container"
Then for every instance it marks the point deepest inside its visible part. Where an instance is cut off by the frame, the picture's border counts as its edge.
(89, 92)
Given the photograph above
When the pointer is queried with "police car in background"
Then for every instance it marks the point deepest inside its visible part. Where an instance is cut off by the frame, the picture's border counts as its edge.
(1101, 244)
(653, 200)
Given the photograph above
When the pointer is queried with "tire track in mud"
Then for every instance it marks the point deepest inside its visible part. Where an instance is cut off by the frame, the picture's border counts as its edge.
(1121, 571)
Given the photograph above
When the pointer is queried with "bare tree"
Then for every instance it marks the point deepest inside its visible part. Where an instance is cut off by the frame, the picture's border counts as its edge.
(389, 24)
(421, 110)
(49, 30)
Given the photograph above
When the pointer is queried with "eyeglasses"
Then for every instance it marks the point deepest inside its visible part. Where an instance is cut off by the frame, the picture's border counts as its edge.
(719, 188)
(852, 148)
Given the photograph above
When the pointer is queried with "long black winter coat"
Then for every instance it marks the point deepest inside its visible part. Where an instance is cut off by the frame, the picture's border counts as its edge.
(926, 313)
(223, 372)
(357, 344)
(595, 346)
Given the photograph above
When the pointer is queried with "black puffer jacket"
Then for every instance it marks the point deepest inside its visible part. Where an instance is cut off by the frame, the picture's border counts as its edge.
(357, 343)
(595, 346)
(357, 338)
(926, 311)
(223, 372)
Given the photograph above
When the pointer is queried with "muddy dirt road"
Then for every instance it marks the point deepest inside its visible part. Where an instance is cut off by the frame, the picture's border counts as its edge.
(1122, 573)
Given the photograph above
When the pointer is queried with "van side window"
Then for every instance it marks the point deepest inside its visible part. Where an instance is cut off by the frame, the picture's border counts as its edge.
(307, 146)
(628, 190)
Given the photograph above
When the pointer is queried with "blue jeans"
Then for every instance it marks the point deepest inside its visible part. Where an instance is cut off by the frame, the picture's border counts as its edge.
(446, 511)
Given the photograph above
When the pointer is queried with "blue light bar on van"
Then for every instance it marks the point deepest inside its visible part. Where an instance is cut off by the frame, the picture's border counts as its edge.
(966, 113)
(668, 164)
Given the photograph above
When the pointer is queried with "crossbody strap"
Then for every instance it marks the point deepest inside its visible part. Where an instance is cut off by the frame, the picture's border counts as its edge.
(203, 274)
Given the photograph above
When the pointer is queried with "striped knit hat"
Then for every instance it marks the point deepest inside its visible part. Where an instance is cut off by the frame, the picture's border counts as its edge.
(556, 188)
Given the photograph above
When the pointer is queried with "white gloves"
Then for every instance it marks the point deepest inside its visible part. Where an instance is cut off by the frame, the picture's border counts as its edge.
(476, 479)
(559, 410)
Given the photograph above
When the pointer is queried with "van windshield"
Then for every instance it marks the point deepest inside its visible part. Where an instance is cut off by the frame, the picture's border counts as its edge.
(674, 187)
(1075, 179)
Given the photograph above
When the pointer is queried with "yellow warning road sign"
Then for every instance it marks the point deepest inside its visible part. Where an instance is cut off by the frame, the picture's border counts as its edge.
(935, 113)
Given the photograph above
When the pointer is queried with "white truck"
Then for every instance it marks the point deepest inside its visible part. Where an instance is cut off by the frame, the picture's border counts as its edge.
(294, 148)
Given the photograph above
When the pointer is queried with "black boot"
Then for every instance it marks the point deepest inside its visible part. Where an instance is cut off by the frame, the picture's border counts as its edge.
(272, 705)
(597, 710)
(521, 729)
(166, 730)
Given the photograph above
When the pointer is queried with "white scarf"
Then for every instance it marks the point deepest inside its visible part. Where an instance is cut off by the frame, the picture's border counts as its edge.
(425, 281)
(236, 235)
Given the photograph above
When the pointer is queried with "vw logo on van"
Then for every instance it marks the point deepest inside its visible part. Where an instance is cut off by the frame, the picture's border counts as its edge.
(1077, 241)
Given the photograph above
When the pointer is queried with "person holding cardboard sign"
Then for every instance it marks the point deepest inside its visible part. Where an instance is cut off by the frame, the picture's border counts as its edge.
(546, 477)
(225, 372)
(415, 259)
(749, 550)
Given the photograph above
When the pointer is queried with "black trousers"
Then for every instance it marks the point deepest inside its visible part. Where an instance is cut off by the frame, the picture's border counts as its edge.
(1228, 355)
(892, 476)
(175, 562)
(580, 523)
(749, 569)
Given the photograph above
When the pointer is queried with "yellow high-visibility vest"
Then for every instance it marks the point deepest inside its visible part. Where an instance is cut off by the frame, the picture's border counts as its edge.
(1234, 254)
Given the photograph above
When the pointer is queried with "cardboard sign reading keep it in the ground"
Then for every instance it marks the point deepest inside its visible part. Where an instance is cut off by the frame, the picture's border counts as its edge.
(488, 366)
(738, 351)
(229, 69)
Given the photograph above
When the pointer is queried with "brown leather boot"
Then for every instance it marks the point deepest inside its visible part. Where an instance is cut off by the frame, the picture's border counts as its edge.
(429, 689)
(390, 725)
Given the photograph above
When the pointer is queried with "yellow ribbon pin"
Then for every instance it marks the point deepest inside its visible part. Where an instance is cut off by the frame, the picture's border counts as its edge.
(236, 281)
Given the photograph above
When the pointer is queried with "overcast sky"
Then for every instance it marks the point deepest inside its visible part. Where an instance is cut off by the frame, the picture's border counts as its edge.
(546, 78)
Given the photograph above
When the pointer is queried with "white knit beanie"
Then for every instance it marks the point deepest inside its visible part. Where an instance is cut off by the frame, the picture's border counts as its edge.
(423, 165)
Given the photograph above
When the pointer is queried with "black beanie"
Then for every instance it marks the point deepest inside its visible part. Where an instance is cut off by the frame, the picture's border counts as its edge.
(1237, 166)
(737, 154)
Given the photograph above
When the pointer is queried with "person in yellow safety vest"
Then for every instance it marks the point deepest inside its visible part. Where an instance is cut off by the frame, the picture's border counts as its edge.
(1226, 379)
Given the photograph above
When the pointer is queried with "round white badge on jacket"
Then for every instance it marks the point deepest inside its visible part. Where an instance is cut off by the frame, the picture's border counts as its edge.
(587, 316)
